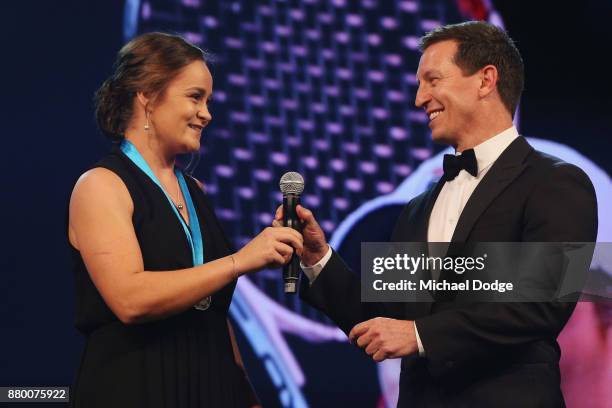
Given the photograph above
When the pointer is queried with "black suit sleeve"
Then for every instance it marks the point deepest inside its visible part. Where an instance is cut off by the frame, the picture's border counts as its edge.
(337, 293)
(562, 208)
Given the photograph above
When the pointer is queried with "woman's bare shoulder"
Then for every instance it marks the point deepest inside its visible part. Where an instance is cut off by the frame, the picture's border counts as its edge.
(99, 199)
(101, 186)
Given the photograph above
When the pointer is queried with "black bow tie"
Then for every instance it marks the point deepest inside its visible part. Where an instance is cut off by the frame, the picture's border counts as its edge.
(453, 164)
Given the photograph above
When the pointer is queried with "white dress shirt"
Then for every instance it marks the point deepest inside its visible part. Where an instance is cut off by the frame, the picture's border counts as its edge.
(450, 202)
(456, 193)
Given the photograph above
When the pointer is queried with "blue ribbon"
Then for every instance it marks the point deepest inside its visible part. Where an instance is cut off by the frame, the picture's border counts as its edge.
(194, 235)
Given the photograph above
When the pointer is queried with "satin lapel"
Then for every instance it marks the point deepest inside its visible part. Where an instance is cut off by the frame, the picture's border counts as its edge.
(431, 200)
(418, 233)
(505, 169)
(415, 228)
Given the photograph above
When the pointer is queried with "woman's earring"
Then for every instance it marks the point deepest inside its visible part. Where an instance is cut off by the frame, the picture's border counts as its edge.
(146, 126)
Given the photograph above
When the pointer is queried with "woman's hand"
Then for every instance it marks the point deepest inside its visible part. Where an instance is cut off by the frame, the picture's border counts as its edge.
(272, 248)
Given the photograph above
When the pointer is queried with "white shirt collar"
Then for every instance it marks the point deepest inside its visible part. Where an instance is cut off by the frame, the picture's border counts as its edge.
(489, 150)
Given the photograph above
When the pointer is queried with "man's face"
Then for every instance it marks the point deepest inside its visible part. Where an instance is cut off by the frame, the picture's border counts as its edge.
(449, 98)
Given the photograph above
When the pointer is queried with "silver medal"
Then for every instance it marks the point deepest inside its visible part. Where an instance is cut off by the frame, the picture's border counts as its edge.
(204, 303)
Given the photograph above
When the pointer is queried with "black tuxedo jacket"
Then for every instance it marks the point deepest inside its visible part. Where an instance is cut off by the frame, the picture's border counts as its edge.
(481, 355)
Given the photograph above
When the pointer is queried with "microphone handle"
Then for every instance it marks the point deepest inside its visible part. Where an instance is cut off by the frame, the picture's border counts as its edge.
(291, 271)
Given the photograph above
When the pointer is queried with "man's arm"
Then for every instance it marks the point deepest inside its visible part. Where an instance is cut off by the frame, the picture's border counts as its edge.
(334, 289)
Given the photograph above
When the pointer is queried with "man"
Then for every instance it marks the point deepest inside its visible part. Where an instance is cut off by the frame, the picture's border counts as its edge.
(496, 189)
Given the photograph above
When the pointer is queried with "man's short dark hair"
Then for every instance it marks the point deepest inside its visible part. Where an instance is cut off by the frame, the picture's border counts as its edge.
(481, 44)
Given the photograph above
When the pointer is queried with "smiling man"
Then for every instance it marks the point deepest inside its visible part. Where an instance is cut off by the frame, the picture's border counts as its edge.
(470, 82)
(496, 188)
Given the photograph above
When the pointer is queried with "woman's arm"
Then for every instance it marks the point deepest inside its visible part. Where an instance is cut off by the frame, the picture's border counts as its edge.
(253, 402)
(100, 227)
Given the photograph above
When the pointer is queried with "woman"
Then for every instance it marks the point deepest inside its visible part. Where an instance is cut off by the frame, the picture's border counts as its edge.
(154, 272)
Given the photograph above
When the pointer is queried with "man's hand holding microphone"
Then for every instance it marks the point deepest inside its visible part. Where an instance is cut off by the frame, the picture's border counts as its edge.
(314, 244)
(381, 338)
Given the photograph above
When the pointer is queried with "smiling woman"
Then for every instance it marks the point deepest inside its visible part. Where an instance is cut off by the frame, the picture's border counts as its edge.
(181, 111)
(154, 272)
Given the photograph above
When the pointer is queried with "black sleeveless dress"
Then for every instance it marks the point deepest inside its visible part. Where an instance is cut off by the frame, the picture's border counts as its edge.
(182, 361)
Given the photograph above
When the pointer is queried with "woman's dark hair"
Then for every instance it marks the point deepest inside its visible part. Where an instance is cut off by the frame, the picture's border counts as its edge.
(145, 64)
(481, 44)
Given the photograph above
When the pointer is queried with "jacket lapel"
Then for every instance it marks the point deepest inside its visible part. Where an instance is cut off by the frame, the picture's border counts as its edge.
(431, 200)
(415, 230)
(505, 169)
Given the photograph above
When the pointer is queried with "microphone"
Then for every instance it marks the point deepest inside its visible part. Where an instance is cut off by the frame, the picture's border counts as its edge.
(292, 186)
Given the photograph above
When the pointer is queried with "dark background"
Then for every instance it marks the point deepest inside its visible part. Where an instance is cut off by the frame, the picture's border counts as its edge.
(55, 54)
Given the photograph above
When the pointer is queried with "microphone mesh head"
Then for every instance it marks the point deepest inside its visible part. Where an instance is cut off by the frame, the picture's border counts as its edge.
(292, 183)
